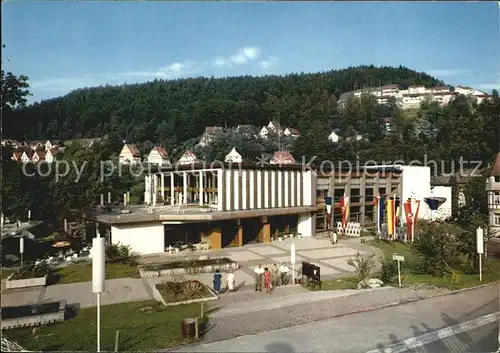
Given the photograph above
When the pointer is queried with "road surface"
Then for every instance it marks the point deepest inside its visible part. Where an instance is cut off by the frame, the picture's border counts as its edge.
(463, 322)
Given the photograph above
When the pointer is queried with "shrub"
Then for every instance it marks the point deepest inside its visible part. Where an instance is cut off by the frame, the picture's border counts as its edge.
(363, 265)
(389, 271)
(32, 271)
(119, 253)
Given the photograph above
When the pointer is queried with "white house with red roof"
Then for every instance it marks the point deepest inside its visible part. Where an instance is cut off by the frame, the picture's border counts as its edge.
(291, 132)
(130, 154)
(38, 157)
(50, 155)
(282, 157)
(159, 156)
(188, 158)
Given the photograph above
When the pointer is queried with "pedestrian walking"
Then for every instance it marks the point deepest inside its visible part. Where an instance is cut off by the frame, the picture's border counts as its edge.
(258, 272)
(274, 275)
(283, 270)
(217, 281)
(230, 281)
(267, 280)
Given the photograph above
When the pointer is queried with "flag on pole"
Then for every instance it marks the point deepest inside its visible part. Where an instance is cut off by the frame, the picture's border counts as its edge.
(390, 216)
(344, 209)
(409, 218)
(415, 208)
(380, 206)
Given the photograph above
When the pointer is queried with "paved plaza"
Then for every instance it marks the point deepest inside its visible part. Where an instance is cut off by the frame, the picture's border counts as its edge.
(320, 251)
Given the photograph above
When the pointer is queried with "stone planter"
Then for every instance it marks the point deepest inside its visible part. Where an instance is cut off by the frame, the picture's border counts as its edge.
(158, 297)
(29, 319)
(25, 283)
(188, 270)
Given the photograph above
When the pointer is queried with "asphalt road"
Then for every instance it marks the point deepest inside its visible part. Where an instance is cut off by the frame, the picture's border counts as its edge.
(462, 322)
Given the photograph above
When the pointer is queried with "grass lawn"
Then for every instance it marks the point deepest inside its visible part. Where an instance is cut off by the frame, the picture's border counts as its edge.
(491, 269)
(83, 272)
(341, 283)
(6, 272)
(140, 329)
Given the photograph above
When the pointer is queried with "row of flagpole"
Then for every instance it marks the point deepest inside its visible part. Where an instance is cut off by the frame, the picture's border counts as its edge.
(385, 206)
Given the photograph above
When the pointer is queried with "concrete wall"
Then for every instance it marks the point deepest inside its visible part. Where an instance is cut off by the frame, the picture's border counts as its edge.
(143, 238)
(36, 320)
(25, 283)
(306, 224)
(444, 211)
(417, 180)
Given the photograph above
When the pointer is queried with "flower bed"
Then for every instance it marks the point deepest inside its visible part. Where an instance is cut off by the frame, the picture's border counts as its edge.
(223, 264)
(29, 276)
(172, 293)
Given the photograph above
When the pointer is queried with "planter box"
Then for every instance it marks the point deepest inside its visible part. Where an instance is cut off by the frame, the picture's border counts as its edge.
(26, 318)
(187, 270)
(158, 297)
(25, 283)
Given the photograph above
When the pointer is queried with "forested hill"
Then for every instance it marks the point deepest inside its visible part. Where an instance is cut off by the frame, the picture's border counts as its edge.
(170, 112)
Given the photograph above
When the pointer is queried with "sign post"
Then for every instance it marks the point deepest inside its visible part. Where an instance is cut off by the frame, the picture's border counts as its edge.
(292, 260)
(398, 258)
(480, 250)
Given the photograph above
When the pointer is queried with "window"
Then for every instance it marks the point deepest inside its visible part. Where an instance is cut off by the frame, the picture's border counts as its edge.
(497, 179)
(496, 198)
(496, 220)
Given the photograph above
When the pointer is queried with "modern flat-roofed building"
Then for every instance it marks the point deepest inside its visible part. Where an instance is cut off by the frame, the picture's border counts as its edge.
(223, 205)
(363, 184)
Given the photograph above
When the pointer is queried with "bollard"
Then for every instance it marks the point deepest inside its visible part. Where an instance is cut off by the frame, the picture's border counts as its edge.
(196, 329)
(117, 338)
(202, 310)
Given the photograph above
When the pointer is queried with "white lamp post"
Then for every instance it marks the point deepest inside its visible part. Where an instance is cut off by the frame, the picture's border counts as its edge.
(21, 248)
(98, 277)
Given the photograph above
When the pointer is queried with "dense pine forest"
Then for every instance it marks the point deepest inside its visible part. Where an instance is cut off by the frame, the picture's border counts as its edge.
(175, 113)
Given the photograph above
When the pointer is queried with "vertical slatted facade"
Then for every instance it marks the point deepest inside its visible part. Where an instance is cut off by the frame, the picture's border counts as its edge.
(252, 189)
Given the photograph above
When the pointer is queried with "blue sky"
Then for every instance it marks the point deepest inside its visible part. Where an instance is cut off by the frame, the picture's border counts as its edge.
(66, 45)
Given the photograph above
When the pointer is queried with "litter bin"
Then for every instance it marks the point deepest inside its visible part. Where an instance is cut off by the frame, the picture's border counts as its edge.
(188, 328)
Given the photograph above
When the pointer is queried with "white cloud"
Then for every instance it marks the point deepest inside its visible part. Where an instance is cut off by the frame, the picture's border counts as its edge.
(270, 63)
(446, 72)
(241, 57)
(220, 62)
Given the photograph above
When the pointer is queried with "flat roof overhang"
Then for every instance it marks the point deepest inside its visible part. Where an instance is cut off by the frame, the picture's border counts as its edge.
(196, 217)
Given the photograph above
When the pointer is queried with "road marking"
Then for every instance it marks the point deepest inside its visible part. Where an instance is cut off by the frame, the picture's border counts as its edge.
(425, 339)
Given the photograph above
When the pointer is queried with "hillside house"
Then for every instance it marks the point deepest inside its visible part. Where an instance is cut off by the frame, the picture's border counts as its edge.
(209, 135)
(291, 132)
(233, 157)
(16, 156)
(334, 136)
(188, 158)
(159, 156)
(466, 91)
(388, 124)
(26, 157)
(273, 127)
(50, 155)
(37, 145)
(51, 144)
(129, 155)
(38, 157)
(282, 157)
(10, 143)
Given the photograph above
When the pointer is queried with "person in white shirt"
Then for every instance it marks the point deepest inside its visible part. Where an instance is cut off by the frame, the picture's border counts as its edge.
(230, 281)
(283, 270)
(259, 272)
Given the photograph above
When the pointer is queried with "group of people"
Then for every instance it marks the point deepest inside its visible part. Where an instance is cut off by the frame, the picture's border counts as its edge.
(277, 276)
(263, 277)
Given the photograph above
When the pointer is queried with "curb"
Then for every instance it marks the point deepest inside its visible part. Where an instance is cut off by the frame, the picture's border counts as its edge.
(364, 310)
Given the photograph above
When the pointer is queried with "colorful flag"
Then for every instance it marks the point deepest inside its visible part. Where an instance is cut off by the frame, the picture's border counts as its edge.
(390, 216)
(415, 207)
(344, 209)
(380, 208)
(409, 218)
